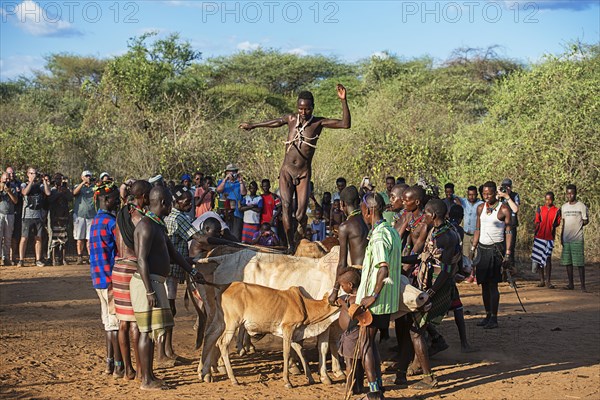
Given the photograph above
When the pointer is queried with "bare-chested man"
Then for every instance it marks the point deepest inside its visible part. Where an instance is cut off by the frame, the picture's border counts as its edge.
(413, 228)
(154, 253)
(304, 130)
(352, 235)
(137, 198)
(397, 205)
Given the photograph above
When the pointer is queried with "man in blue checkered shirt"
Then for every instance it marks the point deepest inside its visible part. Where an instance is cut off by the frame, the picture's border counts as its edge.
(180, 231)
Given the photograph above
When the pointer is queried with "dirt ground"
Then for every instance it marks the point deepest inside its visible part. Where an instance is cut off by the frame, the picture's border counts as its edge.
(53, 347)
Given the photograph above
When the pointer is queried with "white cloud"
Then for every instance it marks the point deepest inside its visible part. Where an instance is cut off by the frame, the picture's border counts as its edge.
(14, 66)
(299, 51)
(247, 46)
(33, 19)
(382, 55)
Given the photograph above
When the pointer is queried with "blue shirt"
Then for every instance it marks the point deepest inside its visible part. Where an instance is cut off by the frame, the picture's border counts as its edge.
(102, 249)
(470, 218)
(319, 230)
(232, 189)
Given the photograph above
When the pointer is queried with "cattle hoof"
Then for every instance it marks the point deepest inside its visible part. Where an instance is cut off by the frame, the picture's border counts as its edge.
(311, 381)
(325, 380)
(288, 386)
(251, 350)
(242, 352)
(339, 375)
(207, 378)
(235, 383)
(221, 369)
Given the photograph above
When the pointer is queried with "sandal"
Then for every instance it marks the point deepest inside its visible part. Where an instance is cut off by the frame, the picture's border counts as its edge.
(422, 385)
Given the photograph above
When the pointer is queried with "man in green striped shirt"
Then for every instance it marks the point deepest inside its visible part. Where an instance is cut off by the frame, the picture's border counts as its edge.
(379, 289)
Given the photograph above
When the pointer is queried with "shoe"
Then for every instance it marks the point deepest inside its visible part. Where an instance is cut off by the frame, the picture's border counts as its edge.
(484, 321)
(20, 263)
(491, 325)
(39, 263)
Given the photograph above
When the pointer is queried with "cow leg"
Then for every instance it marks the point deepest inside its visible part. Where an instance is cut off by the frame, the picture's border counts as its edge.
(244, 343)
(298, 348)
(223, 344)
(323, 345)
(287, 342)
(210, 352)
(335, 331)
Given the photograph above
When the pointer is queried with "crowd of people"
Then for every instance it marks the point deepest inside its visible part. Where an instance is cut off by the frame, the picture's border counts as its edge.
(137, 235)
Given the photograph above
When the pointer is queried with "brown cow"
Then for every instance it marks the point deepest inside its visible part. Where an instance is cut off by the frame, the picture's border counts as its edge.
(291, 316)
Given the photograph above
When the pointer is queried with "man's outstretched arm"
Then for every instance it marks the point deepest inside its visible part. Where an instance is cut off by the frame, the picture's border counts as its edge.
(275, 123)
(345, 122)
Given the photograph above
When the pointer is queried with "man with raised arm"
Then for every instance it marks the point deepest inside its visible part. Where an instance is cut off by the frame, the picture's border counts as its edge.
(304, 130)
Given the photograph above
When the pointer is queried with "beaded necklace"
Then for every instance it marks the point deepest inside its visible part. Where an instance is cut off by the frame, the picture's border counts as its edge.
(354, 213)
(440, 230)
(414, 222)
(489, 210)
(156, 219)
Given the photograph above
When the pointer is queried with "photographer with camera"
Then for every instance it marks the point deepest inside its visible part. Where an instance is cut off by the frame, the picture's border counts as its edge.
(512, 200)
(58, 219)
(233, 186)
(8, 200)
(84, 212)
(34, 196)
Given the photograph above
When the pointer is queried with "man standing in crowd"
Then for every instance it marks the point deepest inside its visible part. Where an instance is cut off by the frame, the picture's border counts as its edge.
(234, 189)
(512, 200)
(450, 198)
(34, 196)
(154, 253)
(8, 199)
(204, 195)
(547, 219)
(388, 214)
(271, 204)
(382, 263)
(575, 217)
(493, 240)
(340, 184)
(58, 220)
(84, 211)
(16, 235)
(103, 249)
(469, 205)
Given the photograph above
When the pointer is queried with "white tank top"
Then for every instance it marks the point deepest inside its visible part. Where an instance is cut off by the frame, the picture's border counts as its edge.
(491, 228)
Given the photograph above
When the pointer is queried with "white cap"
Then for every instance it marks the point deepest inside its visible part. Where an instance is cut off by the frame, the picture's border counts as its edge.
(86, 173)
(155, 178)
(102, 175)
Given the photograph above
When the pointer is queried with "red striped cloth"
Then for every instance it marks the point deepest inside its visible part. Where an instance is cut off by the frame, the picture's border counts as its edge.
(121, 275)
(248, 232)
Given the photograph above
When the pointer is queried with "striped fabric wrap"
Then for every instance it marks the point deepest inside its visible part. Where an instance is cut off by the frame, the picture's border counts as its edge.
(153, 320)
(122, 273)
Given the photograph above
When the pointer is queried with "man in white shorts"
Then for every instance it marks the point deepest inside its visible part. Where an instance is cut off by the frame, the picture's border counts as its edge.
(84, 212)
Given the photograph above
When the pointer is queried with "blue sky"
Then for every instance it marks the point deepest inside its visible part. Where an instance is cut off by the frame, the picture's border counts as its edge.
(350, 30)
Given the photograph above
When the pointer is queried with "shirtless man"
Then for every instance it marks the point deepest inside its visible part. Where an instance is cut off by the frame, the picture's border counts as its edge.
(154, 253)
(397, 205)
(304, 130)
(352, 235)
(413, 227)
(125, 267)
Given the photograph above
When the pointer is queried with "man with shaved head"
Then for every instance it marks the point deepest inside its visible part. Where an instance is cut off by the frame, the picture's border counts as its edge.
(154, 253)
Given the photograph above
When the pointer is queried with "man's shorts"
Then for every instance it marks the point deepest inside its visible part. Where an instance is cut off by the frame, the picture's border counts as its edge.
(381, 321)
(32, 225)
(572, 254)
(171, 286)
(107, 305)
(81, 228)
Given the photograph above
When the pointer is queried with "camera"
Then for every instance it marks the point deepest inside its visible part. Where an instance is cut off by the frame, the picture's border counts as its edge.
(503, 189)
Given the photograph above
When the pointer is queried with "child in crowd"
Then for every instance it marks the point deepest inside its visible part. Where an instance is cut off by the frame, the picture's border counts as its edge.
(337, 216)
(349, 282)
(265, 237)
(318, 227)
(252, 205)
